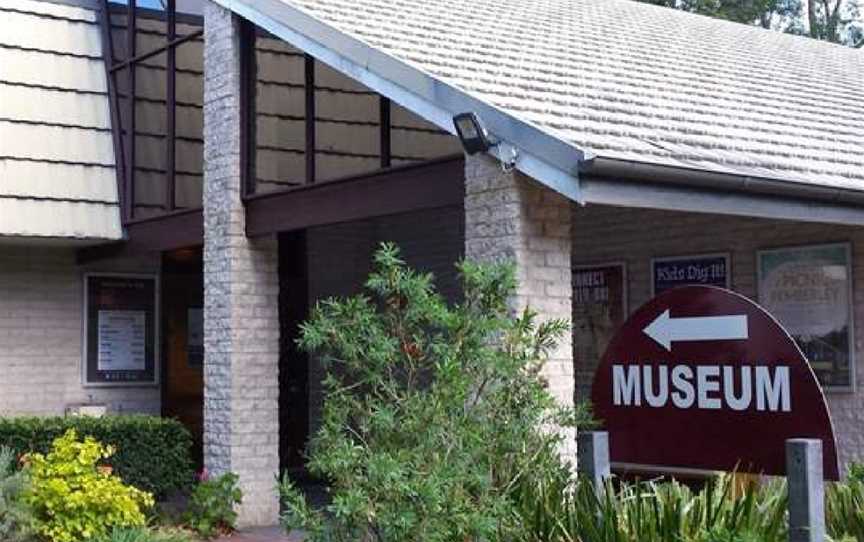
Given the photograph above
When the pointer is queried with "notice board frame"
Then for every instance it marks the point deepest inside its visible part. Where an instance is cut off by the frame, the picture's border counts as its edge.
(153, 376)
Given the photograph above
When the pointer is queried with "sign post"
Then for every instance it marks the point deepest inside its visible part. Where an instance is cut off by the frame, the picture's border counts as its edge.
(806, 490)
(592, 455)
(703, 378)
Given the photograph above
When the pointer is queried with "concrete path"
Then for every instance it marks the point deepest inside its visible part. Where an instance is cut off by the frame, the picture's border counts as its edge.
(263, 534)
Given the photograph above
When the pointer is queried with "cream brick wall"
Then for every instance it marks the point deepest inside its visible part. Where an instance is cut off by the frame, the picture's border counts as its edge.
(241, 289)
(41, 330)
(602, 234)
(510, 217)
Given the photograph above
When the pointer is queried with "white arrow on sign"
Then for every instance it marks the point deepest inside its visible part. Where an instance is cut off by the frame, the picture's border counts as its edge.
(666, 330)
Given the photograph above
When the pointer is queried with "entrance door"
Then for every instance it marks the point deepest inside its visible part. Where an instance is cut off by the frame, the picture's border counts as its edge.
(183, 343)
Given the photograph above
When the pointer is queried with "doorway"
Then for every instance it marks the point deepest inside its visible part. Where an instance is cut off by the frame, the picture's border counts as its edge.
(183, 342)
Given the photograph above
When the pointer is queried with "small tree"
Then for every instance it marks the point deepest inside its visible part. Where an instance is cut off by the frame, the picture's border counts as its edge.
(433, 413)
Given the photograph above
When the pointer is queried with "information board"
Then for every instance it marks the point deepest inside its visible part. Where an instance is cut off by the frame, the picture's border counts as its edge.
(120, 329)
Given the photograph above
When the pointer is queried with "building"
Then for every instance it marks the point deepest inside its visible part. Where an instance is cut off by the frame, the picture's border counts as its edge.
(179, 185)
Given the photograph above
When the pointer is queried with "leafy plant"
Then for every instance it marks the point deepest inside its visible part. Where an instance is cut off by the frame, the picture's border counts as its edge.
(75, 498)
(143, 534)
(432, 412)
(16, 518)
(856, 472)
(844, 509)
(211, 505)
(151, 453)
(653, 511)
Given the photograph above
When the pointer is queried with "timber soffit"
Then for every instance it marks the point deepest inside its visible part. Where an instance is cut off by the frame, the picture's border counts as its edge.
(545, 105)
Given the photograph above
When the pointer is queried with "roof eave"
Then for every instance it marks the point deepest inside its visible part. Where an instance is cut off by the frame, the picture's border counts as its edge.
(628, 183)
(543, 156)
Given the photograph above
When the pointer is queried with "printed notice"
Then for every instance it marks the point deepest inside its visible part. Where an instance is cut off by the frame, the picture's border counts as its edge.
(122, 340)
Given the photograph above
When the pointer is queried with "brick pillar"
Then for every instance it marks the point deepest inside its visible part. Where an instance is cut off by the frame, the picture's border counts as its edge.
(241, 287)
(508, 216)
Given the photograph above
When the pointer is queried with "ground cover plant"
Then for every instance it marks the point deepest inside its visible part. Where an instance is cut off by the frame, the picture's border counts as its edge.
(211, 509)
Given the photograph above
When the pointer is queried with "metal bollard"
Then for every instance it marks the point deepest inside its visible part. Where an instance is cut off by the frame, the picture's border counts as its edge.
(593, 457)
(806, 490)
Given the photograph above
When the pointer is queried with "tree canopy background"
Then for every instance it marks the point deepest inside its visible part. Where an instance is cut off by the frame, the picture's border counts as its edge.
(837, 21)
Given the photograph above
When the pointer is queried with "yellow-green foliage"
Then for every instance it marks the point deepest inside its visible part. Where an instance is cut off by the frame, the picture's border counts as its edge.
(74, 498)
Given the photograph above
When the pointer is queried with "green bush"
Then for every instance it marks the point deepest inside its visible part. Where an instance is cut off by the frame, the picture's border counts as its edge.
(75, 497)
(152, 453)
(432, 411)
(16, 516)
(211, 505)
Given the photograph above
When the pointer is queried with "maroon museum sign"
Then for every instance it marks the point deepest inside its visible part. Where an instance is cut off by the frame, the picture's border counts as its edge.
(701, 377)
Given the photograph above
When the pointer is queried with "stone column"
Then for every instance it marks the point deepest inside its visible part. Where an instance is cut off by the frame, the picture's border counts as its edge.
(241, 287)
(509, 216)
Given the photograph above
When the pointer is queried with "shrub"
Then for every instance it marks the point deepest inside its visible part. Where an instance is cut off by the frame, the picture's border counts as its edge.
(432, 411)
(556, 510)
(211, 505)
(152, 453)
(16, 518)
(75, 498)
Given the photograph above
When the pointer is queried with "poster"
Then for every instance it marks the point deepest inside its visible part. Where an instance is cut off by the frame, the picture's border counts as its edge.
(599, 309)
(122, 341)
(808, 289)
(121, 329)
(195, 337)
(705, 270)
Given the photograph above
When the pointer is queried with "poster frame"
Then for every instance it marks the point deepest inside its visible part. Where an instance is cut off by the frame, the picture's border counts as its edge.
(157, 329)
(625, 290)
(727, 257)
(851, 340)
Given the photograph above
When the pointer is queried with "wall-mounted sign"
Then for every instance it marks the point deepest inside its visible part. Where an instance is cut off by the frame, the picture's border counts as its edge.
(599, 309)
(703, 378)
(705, 270)
(809, 290)
(120, 315)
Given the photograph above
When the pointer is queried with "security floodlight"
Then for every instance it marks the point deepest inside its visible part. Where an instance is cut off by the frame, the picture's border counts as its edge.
(472, 133)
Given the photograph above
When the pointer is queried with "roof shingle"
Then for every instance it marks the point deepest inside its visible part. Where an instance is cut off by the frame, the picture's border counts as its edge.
(632, 81)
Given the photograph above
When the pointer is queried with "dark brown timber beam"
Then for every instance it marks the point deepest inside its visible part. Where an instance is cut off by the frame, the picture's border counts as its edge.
(397, 190)
(402, 189)
(165, 232)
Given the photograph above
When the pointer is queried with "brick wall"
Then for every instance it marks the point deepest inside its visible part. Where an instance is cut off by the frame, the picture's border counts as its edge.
(41, 312)
(509, 217)
(340, 256)
(603, 234)
(241, 288)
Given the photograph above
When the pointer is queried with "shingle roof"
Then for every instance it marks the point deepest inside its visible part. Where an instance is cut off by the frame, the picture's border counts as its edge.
(57, 176)
(632, 81)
